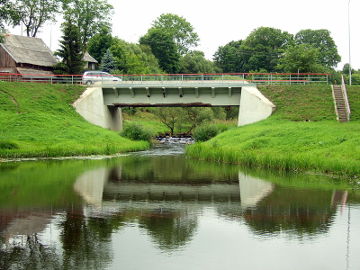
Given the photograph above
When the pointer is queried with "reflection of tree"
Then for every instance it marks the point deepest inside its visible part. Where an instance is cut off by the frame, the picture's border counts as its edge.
(169, 230)
(300, 212)
(174, 169)
(85, 243)
(32, 254)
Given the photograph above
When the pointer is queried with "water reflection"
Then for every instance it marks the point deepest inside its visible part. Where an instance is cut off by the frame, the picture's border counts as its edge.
(71, 214)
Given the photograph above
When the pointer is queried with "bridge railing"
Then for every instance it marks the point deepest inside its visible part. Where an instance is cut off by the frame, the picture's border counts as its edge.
(255, 78)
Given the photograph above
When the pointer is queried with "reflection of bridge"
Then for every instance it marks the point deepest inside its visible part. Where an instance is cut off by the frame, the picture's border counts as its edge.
(94, 187)
(100, 104)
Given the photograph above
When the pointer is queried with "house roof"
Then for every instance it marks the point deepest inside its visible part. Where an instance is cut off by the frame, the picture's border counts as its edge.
(28, 50)
(88, 58)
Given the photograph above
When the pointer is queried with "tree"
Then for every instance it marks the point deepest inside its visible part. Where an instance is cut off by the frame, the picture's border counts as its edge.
(346, 69)
(170, 117)
(108, 62)
(4, 15)
(196, 116)
(181, 31)
(70, 50)
(322, 40)
(301, 58)
(33, 14)
(164, 48)
(100, 43)
(89, 15)
(229, 57)
(134, 58)
(263, 48)
(195, 62)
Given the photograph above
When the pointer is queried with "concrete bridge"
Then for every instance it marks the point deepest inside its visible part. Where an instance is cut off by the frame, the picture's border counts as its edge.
(101, 103)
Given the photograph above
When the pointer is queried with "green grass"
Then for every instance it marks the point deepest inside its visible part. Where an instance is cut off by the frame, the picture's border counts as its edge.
(302, 135)
(38, 120)
(301, 102)
(326, 146)
(354, 100)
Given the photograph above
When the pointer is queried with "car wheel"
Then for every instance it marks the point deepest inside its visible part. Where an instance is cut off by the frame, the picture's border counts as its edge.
(88, 82)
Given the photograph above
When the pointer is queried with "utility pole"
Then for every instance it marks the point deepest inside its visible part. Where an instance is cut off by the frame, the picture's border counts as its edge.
(350, 79)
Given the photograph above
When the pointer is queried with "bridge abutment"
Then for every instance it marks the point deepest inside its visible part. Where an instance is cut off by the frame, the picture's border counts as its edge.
(254, 106)
(91, 106)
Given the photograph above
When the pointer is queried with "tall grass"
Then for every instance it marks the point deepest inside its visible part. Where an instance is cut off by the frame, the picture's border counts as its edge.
(326, 146)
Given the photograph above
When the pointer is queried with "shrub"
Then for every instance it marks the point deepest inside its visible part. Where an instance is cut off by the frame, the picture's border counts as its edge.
(8, 145)
(205, 132)
(136, 133)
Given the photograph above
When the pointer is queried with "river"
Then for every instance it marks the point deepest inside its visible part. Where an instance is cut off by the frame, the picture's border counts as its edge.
(159, 210)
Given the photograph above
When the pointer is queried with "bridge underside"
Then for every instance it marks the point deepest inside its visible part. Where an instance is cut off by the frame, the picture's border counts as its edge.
(172, 96)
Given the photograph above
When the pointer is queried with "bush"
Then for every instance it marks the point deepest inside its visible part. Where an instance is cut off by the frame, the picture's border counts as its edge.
(136, 133)
(205, 132)
(8, 145)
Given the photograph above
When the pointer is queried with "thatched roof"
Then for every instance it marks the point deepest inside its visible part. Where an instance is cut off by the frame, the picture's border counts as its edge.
(88, 58)
(28, 50)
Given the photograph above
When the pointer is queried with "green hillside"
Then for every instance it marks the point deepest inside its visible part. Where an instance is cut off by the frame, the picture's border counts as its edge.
(299, 136)
(38, 120)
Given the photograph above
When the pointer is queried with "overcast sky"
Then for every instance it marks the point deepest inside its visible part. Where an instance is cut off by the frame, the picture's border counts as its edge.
(219, 22)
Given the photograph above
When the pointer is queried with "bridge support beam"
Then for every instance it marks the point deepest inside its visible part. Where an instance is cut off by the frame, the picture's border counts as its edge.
(91, 106)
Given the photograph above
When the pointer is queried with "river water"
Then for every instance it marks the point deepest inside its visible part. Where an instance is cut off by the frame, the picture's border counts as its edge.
(158, 210)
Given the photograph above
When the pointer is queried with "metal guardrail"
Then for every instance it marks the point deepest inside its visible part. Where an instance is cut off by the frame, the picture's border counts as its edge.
(255, 78)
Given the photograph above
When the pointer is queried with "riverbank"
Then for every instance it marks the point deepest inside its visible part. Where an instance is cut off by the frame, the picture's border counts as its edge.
(37, 120)
(327, 146)
(300, 136)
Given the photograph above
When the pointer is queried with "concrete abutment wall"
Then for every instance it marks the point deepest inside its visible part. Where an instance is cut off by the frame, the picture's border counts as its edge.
(91, 106)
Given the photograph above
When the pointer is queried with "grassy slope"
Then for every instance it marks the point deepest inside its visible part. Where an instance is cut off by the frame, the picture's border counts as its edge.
(354, 100)
(39, 119)
(326, 146)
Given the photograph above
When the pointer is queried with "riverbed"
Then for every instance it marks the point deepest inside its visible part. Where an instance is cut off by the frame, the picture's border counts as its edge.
(157, 209)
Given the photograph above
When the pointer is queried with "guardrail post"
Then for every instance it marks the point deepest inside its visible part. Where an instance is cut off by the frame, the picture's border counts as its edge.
(290, 79)
(72, 79)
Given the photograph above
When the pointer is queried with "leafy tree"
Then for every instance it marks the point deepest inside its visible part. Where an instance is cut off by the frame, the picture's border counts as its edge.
(164, 48)
(33, 14)
(322, 40)
(100, 43)
(195, 62)
(133, 58)
(346, 69)
(70, 50)
(181, 31)
(196, 116)
(229, 57)
(170, 117)
(89, 15)
(5, 15)
(301, 58)
(263, 48)
(108, 62)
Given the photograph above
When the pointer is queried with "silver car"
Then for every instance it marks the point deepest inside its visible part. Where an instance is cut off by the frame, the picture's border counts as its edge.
(91, 77)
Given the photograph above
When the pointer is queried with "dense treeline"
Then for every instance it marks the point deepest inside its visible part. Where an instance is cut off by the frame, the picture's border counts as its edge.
(169, 46)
